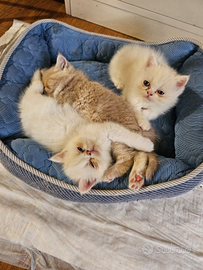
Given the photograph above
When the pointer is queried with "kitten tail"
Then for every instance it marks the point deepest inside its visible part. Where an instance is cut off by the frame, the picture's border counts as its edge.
(152, 165)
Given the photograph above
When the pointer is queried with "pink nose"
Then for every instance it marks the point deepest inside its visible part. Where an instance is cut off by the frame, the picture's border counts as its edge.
(89, 152)
(149, 93)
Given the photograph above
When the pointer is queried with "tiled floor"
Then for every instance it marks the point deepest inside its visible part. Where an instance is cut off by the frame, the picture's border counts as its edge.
(33, 10)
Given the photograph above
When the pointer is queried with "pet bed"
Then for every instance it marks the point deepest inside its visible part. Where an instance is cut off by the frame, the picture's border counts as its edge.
(180, 131)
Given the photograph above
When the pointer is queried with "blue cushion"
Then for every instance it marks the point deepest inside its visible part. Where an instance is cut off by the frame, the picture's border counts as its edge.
(180, 147)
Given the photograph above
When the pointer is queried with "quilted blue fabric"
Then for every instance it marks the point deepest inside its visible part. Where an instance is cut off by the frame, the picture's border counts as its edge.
(180, 147)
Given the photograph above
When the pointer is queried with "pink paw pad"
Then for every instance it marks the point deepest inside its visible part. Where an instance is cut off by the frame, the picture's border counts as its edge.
(137, 177)
(136, 182)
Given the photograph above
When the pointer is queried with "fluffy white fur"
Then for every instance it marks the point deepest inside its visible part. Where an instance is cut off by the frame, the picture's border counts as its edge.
(146, 81)
(82, 147)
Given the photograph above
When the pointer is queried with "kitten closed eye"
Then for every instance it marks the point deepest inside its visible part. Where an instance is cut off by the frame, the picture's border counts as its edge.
(93, 163)
(80, 149)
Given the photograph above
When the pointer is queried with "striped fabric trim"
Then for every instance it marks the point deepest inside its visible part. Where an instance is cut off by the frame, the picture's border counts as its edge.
(178, 186)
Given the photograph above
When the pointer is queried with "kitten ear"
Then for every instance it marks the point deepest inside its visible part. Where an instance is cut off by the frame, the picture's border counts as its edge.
(152, 61)
(61, 62)
(181, 82)
(58, 158)
(85, 185)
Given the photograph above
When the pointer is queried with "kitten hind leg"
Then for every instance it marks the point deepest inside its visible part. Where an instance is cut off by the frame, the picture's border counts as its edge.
(117, 170)
(143, 122)
(124, 157)
(136, 177)
(145, 165)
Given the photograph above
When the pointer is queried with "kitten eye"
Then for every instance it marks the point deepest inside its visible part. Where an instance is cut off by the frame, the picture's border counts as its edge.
(160, 93)
(146, 83)
(80, 149)
(91, 164)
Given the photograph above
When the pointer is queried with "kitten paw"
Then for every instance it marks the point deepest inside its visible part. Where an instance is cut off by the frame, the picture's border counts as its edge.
(136, 177)
(111, 173)
(146, 145)
(36, 76)
(109, 177)
(145, 124)
(38, 87)
(118, 84)
(36, 82)
(136, 181)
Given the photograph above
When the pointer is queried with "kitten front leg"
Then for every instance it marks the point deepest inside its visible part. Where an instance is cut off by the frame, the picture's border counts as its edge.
(143, 122)
(118, 133)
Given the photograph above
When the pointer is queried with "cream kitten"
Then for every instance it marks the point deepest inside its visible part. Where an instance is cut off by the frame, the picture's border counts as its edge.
(97, 104)
(146, 81)
(83, 148)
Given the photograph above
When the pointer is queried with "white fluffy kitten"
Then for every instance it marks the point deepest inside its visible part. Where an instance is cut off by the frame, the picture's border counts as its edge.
(146, 81)
(83, 148)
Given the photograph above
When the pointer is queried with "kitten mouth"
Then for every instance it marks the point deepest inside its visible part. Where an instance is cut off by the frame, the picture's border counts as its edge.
(148, 97)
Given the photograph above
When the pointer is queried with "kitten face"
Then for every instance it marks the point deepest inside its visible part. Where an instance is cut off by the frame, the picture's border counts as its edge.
(158, 83)
(146, 79)
(51, 78)
(54, 76)
(84, 161)
(47, 77)
(156, 88)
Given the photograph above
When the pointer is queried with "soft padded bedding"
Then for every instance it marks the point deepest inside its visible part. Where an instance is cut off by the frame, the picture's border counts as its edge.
(180, 147)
